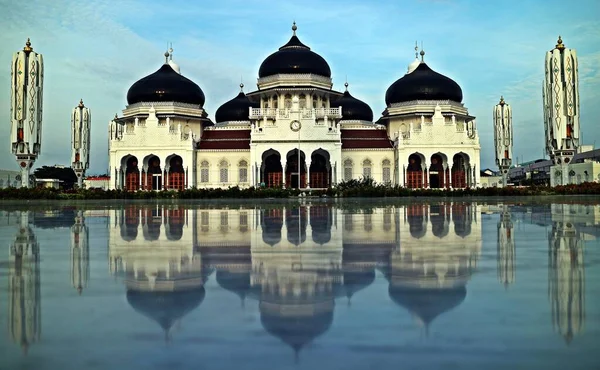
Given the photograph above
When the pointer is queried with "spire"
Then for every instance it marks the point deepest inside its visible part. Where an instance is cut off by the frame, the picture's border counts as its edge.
(81, 103)
(346, 85)
(167, 57)
(559, 44)
(28, 47)
(501, 100)
(294, 28)
(241, 87)
(422, 53)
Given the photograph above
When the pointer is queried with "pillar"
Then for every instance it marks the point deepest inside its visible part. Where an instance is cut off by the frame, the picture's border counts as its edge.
(283, 164)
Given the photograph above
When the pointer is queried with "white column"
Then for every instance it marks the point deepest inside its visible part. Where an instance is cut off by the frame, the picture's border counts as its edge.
(283, 164)
(308, 174)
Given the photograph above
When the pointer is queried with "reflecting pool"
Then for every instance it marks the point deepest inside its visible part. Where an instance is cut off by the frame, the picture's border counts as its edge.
(301, 284)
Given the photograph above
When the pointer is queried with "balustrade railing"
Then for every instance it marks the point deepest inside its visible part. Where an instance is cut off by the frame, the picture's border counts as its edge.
(258, 113)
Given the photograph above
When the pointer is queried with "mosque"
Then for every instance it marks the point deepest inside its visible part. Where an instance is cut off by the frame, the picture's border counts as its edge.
(294, 131)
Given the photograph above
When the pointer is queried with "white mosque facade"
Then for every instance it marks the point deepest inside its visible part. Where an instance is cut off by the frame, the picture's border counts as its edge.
(295, 131)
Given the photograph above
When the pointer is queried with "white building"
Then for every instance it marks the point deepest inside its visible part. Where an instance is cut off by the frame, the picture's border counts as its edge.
(295, 130)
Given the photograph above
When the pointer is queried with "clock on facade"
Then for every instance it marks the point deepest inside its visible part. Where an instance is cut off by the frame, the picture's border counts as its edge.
(295, 125)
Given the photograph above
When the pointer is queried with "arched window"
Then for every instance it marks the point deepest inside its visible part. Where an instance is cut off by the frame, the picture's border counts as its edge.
(368, 223)
(204, 217)
(347, 170)
(224, 222)
(243, 171)
(367, 168)
(275, 102)
(302, 101)
(348, 222)
(315, 101)
(579, 179)
(387, 219)
(243, 221)
(386, 171)
(288, 101)
(265, 103)
(204, 171)
(324, 103)
(224, 172)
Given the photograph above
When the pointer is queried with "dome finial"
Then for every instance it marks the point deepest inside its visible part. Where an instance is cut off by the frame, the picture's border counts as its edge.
(81, 103)
(416, 50)
(346, 85)
(294, 28)
(559, 44)
(502, 100)
(241, 87)
(422, 53)
(28, 47)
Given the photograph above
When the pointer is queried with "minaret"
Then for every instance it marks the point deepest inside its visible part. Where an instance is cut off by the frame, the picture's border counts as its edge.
(80, 141)
(24, 311)
(80, 252)
(566, 279)
(503, 137)
(506, 249)
(561, 108)
(27, 81)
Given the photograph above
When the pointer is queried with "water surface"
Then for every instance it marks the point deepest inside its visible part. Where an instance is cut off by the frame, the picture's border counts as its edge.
(301, 285)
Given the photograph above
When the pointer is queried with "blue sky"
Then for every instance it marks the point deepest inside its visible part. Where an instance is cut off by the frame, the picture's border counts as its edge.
(97, 49)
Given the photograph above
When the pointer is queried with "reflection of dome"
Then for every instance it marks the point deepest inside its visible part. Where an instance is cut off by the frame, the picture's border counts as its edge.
(165, 85)
(236, 109)
(352, 108)
(296, 330)
(236, 282)
(294, 58)
(427, 304)
(423, 84)
(355, 281)
(165, 307)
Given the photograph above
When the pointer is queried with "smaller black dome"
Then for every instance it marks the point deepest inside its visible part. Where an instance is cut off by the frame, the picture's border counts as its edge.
(165, 85)
(236, 109)
(423, 84)
(427, 303)
(294, 58)
(353, 109)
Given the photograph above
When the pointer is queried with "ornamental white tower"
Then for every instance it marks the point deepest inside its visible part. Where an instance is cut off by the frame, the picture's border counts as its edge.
(503, 137)
(24, 310)
(80, 252)
(561, 108)
(506, 249)
(80, 140)
(27, 80)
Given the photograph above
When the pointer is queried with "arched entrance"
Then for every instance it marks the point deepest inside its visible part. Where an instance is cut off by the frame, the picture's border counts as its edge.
(321, 219)
(271, 172)
(132, 174)
(460, 165)
(176, 179)
(175, 223)
(291, 171)
(271, 223)
(153, 174)
(414, 171)
(320, 169)
(437, 175)
(295, 222)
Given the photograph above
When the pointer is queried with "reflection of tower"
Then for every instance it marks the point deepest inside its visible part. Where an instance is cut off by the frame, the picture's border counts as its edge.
(161, 269)
(506, 249)
(24, 314)
(27, 82)
(80, 259)
(80, 140)
(561, 108)
(566, 279)
(428, 276)
(503, 137)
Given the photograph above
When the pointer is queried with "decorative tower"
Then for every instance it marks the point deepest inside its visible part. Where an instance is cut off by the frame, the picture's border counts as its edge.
(503, 137)
(561, 109)
(566, 278)
(80, 252)
(80, 141)
(506, 249)
(27, 80)
(24, 312)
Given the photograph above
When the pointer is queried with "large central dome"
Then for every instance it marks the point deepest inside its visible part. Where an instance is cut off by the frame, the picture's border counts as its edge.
(294, 58)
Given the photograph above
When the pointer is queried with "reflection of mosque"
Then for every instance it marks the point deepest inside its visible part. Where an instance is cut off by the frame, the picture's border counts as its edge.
(506, 249)
(566, 278)
(429, 277)
(24, 286)
(294, 260)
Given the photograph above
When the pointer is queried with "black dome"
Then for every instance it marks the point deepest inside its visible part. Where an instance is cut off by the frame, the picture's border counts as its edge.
(294, 57)
(423, 84)
(353, 109)
(236, 109)
(165, 85)
(428, 304)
